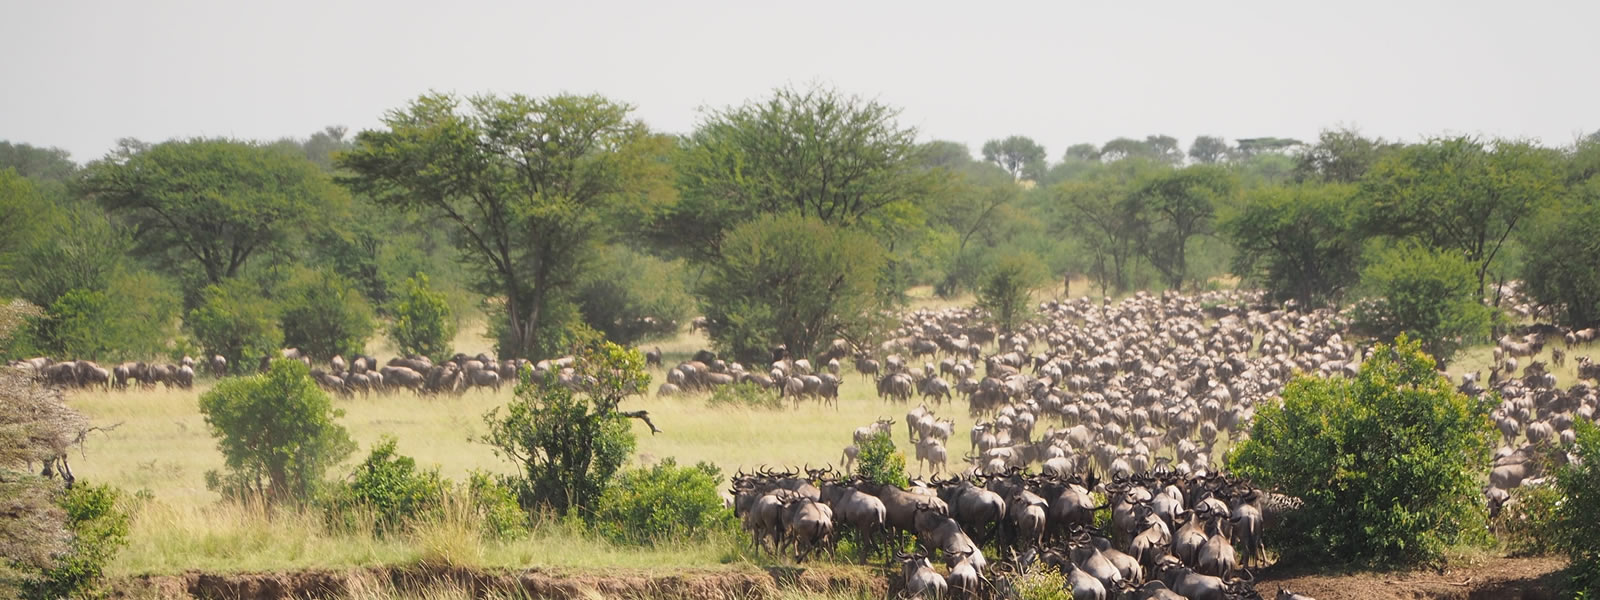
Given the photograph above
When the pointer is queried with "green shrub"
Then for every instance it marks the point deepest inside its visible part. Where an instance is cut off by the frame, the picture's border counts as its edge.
(496, 504)
(422, 323)
(567, 444)
(99, 528)
(630, 296)
(745, 395)
(1559, 262)
(791, 280)
(1042, 584)
(323, 316)
(236, 321)
(132, 318)
(276, 432)
(881, 463)
(391, 488)
(1577, 529)
(663, 502)
(1430, 296)
(1006, 287)
(1387, 463)
(1527, 525)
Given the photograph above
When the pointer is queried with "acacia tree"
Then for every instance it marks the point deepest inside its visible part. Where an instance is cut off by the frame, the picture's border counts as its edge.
(791, 280)
(1179, 205)
(1340, 155)
(1208, 149)
(1019, 155)
(1103, 209)
(1460, 195)
(1296, 241)
(215, 203)
(816, 153)
(528, 186)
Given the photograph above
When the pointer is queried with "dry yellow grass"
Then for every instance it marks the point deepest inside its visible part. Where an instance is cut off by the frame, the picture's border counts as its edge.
(161, 446)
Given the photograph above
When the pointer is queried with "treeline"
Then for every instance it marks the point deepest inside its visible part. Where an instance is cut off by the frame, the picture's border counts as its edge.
(796, 219)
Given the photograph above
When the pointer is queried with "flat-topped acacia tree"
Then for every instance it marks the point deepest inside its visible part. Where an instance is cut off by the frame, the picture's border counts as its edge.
(528, 187)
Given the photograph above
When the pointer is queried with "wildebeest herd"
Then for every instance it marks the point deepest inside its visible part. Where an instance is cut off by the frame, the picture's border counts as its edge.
(360, 374)
(1146, 392)
(1094, 406)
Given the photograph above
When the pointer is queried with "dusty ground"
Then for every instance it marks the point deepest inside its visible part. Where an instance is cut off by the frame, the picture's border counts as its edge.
(1491, 579)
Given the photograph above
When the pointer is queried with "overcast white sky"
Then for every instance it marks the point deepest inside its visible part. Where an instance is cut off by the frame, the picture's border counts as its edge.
(80, 74)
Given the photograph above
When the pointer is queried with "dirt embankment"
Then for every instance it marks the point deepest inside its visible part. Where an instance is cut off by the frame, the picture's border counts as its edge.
(1492, 579)
(530, 583)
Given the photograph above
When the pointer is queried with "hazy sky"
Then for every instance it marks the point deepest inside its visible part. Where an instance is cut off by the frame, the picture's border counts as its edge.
(80, 74)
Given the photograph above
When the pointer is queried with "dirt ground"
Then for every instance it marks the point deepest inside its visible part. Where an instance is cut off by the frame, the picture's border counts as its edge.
(1491, 579)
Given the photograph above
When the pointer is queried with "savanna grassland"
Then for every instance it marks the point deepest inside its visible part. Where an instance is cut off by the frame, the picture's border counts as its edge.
(157, 447)
(160, 449)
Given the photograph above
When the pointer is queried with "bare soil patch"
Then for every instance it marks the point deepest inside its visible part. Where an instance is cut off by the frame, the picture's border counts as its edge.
(1491, 579)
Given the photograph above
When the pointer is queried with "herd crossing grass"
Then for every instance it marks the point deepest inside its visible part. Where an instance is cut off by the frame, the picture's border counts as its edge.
(160, 449)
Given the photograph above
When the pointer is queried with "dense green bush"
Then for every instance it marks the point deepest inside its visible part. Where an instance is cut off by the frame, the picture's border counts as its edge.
(496, 504)
(791, 280)
(276, 432)
(1527, 524)
(1388, 463)
(390, 488)
(1005, 289)
(631, 296)
(1298, 242)
(567, 444)
(1430, 296)
(134, 317)
(1559, 264)
(237, 322)
(745, 395)
(663, 502)
(1577, 529)
(99, 529)
(422, 323)
(323, 316)
(880, 462)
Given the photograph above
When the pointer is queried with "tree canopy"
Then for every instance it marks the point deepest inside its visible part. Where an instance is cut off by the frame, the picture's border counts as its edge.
(791, 280)
(1020, 156)
(1460, 195)
(212, 204)
(1297, 241)
(816, 153)
(528, 186)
